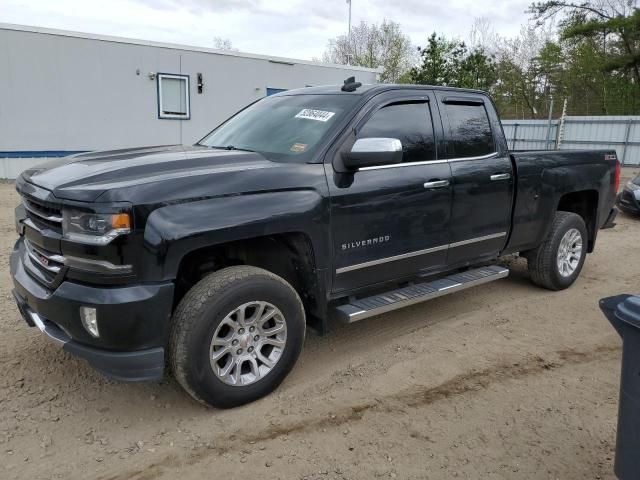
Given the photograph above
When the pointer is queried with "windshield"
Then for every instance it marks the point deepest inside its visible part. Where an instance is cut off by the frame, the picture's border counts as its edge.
(286, 128)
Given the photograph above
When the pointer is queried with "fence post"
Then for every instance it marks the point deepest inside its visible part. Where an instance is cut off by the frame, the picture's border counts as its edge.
(515, 137)
(626, 141)
(549, 123)
(560, 132)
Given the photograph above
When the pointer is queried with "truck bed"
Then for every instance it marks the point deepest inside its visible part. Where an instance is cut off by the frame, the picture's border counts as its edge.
(545, 179)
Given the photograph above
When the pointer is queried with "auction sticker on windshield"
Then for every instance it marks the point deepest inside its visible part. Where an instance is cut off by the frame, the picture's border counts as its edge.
(298, 147)
(319, 115)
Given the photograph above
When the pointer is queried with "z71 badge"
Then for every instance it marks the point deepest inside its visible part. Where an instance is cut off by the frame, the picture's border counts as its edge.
(366, 243)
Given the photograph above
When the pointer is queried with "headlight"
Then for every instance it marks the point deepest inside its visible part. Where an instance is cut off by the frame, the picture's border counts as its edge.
(632, 186)
(94, 228)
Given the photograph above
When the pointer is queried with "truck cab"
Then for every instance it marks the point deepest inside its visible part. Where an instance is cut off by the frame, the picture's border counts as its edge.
(443, 204)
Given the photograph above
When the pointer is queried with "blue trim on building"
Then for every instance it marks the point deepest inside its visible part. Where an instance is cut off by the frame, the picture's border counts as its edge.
(273, 91)
(39, 153)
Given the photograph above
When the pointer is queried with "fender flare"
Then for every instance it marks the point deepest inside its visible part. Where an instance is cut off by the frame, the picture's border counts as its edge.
(173, 231)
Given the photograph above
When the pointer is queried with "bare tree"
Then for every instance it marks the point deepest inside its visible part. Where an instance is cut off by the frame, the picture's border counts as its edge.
(518, 68)
(483, 36)
(523, 49)
(221, 43)
(602, 9)
(374, 46)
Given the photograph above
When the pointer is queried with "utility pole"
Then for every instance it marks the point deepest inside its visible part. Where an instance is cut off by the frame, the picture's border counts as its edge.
(349, 35)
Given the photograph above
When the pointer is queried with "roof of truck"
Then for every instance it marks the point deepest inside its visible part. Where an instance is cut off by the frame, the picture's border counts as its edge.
(372, 89)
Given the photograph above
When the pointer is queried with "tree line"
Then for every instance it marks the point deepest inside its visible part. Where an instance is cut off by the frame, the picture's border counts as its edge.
(585, 52)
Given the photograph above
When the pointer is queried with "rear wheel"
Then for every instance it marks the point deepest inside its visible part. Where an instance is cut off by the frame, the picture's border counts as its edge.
(236, 335)
(557, 262)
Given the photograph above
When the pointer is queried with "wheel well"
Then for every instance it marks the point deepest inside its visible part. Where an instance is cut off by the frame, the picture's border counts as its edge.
(585, 204)
(288, 255)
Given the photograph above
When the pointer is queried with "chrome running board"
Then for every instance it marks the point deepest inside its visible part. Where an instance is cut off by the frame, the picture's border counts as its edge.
(419, 292)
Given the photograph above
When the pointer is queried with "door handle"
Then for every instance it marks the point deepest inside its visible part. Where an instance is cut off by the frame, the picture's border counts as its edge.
(437, 184)
(500, 176)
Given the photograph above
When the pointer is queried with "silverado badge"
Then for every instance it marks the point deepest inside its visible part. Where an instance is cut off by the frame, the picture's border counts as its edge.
(366, 242)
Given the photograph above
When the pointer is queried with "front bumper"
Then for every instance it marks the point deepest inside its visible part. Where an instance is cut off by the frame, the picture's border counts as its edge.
(133, 321)
(628, 202)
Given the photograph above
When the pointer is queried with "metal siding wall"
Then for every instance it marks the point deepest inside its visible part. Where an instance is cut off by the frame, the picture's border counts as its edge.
(529, 134)
(611, 132)
(632, 156)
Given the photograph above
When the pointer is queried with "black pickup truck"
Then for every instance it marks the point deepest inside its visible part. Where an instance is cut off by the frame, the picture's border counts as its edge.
(308, 207)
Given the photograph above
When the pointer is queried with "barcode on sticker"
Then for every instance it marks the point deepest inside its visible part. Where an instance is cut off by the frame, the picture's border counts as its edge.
(319, 115)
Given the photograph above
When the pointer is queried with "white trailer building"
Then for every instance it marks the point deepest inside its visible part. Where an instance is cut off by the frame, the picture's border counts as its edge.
(63, 92)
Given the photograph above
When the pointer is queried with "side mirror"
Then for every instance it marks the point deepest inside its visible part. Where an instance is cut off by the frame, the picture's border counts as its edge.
(371, 152)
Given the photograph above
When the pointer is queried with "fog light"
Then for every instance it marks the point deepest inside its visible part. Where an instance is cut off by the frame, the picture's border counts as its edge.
(89, 317)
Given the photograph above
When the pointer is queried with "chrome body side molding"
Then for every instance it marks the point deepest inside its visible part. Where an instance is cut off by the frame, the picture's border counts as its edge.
(403, 256)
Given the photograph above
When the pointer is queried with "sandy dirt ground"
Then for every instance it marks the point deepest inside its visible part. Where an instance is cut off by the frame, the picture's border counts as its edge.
(504, 381)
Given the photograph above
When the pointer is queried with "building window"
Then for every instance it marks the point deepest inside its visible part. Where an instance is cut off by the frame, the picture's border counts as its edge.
(273, 91)
(173, 96)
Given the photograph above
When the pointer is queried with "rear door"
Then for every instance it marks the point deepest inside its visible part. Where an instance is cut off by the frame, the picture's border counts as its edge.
(482, 177)
(391, 221)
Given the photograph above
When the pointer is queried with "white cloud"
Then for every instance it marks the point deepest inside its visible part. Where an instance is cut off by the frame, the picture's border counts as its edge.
(291, 28)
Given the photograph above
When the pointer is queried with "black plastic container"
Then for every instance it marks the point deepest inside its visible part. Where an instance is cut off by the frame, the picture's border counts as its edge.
(623, 311)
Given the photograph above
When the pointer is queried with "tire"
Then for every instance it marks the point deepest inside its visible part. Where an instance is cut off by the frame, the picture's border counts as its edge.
(215, 306)
(543, 263)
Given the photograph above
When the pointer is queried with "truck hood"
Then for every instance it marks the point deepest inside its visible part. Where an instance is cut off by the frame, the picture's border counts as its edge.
(87, 177)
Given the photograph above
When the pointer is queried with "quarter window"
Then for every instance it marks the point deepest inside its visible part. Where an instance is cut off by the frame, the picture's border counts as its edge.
(173, 96)
(408, 122)
(470, 130)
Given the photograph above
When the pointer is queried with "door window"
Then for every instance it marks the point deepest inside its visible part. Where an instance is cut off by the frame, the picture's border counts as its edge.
(408, 122)
(470, 130)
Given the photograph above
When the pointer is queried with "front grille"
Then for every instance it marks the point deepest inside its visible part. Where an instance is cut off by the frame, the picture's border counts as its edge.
(43, 214)
(45, 266)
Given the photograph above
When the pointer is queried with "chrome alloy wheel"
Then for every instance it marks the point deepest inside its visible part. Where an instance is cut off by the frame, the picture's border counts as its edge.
(248, 343)
(569, 252)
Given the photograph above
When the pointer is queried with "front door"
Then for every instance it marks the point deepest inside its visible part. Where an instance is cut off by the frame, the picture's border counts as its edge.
(482, 178)
(392, 221)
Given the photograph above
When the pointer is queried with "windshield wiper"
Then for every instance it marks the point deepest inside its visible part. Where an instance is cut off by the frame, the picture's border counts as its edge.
(231, 147)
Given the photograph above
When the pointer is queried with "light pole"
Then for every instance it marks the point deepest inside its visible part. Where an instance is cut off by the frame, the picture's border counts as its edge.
(349, 36)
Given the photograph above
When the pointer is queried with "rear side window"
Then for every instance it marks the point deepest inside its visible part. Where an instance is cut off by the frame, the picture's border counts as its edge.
(408, 122)
(470, 130)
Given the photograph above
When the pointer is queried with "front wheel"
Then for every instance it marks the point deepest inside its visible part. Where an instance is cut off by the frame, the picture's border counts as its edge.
(236, 335)
(557, 262)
